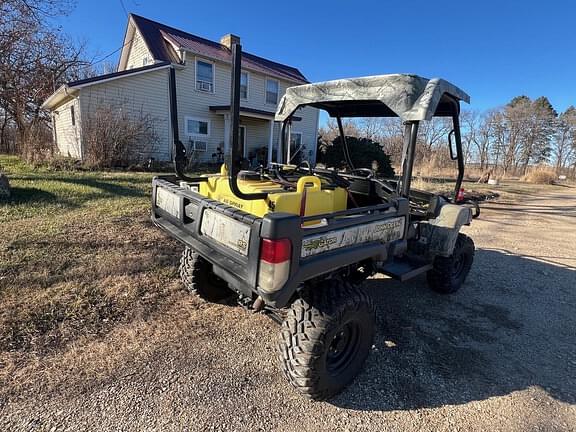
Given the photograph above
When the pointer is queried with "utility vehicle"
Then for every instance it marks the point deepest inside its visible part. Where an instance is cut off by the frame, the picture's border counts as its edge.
(299, 240)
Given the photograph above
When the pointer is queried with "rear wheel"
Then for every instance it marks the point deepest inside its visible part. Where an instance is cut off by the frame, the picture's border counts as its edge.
(199, 278)
(449, 273)
(326, 337)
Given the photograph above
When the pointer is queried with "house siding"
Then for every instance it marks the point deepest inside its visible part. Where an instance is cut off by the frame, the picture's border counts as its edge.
(194, 103)
(145, 93)
(66, 134)
(138, 52)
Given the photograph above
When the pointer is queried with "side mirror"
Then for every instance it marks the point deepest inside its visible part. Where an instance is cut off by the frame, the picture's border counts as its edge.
(452, 155)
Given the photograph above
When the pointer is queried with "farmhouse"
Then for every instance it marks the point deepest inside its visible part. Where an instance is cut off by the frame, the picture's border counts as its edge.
(140, 87)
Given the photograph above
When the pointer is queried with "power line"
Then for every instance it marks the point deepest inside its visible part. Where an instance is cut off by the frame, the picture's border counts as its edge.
(110, 54)
(124, 7)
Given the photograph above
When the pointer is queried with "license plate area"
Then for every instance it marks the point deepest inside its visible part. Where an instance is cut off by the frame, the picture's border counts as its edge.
(226, 231)
(168, 201)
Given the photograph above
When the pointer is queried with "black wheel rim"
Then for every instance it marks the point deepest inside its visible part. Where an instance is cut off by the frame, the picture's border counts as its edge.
(343, 348)
(458, 265)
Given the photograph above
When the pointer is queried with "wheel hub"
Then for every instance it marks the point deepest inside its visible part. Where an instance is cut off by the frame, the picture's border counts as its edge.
(458, 265)
(342, 348)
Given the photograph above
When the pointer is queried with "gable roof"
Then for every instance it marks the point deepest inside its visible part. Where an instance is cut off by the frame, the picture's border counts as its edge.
(155, 36)
(108, 76)
(69, 90)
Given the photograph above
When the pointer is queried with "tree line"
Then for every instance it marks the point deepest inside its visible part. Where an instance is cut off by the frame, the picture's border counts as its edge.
(507, 140)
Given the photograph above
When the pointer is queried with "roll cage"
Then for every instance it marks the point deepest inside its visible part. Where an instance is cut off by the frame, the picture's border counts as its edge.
(409, 97)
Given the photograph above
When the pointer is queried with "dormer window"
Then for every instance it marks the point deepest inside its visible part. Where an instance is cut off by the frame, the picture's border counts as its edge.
(204, 76)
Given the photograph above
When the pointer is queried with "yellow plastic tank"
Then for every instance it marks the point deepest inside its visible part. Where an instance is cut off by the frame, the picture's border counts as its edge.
(309, 199)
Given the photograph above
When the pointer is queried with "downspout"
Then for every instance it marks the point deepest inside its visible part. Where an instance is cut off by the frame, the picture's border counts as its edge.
(80, 127)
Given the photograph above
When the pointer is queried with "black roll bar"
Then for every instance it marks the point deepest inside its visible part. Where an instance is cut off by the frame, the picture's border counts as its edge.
(234, 157)
(409, 152)
(283, 149)
(459, 157)
(344, 144)
(459, 154)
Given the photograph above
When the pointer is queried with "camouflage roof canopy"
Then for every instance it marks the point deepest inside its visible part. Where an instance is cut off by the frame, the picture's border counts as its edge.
(409, 97)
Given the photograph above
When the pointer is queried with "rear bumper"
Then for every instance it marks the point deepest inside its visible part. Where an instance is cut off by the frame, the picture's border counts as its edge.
(230, 270)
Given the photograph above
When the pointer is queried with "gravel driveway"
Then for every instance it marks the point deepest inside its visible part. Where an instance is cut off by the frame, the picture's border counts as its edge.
(499, 355)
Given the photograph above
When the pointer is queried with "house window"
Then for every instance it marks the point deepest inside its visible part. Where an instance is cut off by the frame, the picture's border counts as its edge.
(72, 116)
(271, 91)
(197, 127)
(144, 61)
(295, 140)
(244, 85)
(204, 76)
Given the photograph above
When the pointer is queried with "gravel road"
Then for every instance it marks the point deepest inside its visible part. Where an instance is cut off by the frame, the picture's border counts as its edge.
(500, 355)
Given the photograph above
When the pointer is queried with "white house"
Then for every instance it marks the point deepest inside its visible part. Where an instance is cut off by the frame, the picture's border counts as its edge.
(203, 74)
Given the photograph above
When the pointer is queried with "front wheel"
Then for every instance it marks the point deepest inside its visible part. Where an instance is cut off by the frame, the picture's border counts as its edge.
(449, 273)
(326, 337)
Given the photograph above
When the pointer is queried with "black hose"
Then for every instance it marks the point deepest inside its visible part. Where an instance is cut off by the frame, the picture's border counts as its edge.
(344, 144)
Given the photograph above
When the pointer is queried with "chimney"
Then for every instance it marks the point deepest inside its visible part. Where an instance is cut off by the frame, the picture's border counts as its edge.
(229, 39)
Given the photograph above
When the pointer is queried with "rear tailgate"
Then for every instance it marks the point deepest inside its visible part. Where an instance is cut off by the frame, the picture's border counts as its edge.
(223, 235)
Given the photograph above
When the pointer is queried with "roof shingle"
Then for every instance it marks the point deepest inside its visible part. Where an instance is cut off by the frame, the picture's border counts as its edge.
(155, 35)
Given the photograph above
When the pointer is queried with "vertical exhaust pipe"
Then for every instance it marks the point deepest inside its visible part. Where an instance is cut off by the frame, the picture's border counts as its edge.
(234, 156)
(178, 150)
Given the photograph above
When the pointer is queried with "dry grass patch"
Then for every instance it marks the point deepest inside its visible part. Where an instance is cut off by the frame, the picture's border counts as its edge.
(82, 280)
(541, 176)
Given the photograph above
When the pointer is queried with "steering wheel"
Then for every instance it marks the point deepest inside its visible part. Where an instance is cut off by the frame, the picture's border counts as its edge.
(363, 172)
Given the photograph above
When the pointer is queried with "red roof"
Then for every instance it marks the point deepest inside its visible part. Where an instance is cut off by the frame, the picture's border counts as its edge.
(155, 35)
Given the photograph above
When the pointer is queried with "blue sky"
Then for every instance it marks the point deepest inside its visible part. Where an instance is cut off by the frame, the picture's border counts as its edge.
(494, 50)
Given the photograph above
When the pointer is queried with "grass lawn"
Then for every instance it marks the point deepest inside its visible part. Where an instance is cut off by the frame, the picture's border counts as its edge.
(78, 256)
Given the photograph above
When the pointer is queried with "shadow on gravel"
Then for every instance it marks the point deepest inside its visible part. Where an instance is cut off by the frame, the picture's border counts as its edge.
(511, 327)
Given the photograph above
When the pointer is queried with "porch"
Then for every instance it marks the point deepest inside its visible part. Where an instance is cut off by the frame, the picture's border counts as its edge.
(256, 131)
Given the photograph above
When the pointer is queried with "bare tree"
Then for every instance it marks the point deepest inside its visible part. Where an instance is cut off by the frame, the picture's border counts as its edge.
(565, 139)
(35, 58)
(506, 140)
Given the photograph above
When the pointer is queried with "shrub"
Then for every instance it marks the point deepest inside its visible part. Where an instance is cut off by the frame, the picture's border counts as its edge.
(36, 143)
(115, 136)
(540, 176)
(364, 153)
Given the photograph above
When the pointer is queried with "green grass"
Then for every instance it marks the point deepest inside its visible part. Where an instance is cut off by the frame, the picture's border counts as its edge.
(41, 192)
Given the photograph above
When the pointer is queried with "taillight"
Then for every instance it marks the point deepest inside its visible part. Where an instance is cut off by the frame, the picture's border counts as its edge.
(274, 264)
(460, 195)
